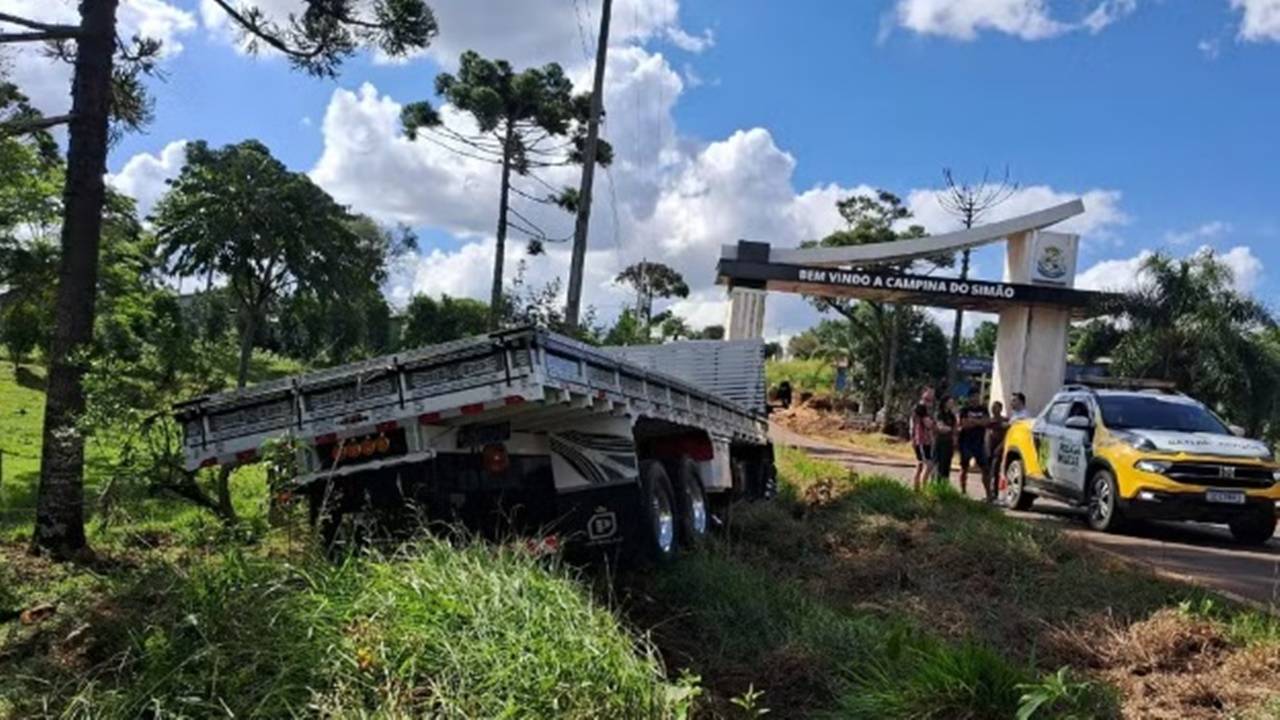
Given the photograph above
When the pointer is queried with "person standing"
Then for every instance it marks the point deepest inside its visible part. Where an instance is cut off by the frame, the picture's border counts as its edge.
(996, 432)
(974, 419)
(1018, 407)
(922, 435)
(944, 444)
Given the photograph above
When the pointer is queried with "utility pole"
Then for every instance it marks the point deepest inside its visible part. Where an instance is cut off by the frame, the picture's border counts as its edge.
(588, 174)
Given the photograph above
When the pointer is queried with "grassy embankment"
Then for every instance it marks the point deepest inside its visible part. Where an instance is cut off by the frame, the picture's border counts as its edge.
(845, 598)
(856, 598)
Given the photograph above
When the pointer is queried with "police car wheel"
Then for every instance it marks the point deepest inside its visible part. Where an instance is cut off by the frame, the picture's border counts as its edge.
(1254, 529)
(1103, 502)
(1015, 483)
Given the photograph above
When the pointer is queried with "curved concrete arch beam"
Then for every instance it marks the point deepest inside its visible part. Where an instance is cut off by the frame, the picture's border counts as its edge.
(902, 250)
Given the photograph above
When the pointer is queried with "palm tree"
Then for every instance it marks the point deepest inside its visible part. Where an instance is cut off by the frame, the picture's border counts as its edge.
(1187, 323)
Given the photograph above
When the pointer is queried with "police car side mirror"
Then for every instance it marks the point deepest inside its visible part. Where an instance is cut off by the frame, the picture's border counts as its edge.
(1077, 422)
(1236, 430)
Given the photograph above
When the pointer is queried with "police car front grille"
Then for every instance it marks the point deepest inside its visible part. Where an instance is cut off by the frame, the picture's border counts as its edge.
(1221, 475)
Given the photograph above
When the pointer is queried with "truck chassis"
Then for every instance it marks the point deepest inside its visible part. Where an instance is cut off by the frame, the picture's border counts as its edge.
(521, 428)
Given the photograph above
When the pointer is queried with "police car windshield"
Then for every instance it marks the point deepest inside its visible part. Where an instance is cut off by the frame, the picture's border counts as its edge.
(1153, 413)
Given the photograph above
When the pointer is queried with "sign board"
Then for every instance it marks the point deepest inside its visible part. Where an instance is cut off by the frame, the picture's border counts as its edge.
(1053, 258)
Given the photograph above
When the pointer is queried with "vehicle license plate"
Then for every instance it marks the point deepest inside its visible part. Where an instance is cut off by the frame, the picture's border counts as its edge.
(1230, 497)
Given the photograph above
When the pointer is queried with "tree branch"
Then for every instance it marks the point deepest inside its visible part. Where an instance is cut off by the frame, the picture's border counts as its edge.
(17, 127)
(254, 28)
(37, 36)
(68, 30)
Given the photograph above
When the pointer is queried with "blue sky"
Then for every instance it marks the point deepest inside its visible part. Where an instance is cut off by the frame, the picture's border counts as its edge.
(748, 118)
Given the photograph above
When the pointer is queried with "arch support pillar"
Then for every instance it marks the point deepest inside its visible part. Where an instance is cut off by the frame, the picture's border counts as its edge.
(746, 313)
(1031, 345)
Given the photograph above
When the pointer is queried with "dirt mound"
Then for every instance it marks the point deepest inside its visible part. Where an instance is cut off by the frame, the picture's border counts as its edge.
(1176, 666)
(823, 416)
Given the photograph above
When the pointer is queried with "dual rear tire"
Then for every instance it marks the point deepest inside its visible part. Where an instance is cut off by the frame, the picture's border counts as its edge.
(674, 509)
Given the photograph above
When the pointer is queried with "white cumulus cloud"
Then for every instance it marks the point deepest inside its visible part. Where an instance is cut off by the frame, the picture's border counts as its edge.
(1102, 211)
(1025, 19)
(673, 200)
(144, 176)
(1211, 230)
(1120, 275)
(1260, 19)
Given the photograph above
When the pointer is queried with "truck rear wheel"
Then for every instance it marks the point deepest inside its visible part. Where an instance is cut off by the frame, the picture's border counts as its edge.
(658, 510)
(691, 500)
(1253, 529)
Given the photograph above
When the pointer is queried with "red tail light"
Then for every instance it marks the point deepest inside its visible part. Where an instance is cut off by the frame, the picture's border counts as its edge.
(495, 459)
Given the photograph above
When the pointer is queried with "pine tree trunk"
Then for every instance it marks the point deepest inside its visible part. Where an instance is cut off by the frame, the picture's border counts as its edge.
(500, 247)
(890, 369)
(59, 527)
(248, 326)
(953, 357)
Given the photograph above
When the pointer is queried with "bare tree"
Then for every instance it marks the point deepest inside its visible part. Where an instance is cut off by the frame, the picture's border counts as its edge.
(968, 203)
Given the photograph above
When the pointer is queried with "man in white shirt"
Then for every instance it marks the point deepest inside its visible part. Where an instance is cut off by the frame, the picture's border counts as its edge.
(1018, 407)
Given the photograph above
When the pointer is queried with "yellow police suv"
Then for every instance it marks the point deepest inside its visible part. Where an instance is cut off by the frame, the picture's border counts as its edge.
(1142, 454)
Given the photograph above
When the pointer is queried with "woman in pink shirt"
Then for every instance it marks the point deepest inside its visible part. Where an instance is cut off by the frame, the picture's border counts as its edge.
(922, 435)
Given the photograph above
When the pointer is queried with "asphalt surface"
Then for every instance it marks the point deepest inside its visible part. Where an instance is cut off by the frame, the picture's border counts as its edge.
(1193, 552)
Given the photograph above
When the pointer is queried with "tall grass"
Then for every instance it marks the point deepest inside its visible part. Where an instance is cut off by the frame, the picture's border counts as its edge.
(434, 631)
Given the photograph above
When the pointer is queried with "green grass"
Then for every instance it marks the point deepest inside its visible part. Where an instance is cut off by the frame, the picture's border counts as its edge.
(854, 597)
(437, 630)
(21, 419)
(814, 376)
(136, 510)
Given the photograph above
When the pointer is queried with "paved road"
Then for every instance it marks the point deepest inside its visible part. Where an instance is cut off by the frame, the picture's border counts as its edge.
(1195, 552)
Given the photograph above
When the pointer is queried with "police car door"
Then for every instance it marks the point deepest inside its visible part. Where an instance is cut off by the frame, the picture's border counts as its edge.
(1069, 447)
(1043, 432)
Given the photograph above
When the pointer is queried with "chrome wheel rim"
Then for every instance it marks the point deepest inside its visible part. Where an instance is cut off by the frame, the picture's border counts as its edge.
(664, 523)
(698, 513)
(1100, 501)
(1013, 482)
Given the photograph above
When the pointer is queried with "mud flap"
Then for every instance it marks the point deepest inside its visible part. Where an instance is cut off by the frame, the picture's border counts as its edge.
(599, 518)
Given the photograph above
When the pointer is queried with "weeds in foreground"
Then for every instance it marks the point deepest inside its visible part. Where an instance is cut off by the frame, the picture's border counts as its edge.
(435, 630)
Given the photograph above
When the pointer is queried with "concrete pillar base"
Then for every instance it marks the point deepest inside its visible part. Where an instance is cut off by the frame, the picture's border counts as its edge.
(746, 314)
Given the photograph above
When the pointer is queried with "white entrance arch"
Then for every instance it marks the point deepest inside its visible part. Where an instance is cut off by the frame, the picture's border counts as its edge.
(1035, 301)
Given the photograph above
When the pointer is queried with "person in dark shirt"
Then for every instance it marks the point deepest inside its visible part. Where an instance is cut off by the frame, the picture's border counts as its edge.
(996, 431)
(784, 394)
(974, 420)
(944, 443)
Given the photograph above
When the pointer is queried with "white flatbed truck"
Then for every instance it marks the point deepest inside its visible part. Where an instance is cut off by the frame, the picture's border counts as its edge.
(639, 447)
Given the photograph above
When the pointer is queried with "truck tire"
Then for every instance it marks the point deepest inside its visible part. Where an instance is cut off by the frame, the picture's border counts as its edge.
(691, 501)
(1102, 502)
(1253, 529)
(658, 512)
(1015, 485)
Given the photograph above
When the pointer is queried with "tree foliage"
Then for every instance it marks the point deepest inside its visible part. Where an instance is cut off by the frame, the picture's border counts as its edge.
(240, 213)
(650, 280)
(880, 218)
(921, 359)
(428, 320)
(1186, 322)
(982, 343)
(524, 121)
(108, 86)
